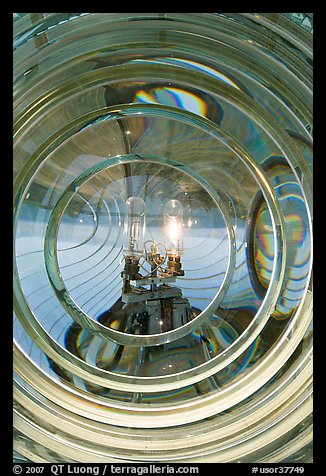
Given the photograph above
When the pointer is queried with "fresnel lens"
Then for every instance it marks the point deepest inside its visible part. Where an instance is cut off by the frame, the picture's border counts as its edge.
(162, 237)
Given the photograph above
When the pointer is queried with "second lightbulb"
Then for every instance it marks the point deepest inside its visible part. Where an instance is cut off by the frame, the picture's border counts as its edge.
(134, 231)
(173, 220)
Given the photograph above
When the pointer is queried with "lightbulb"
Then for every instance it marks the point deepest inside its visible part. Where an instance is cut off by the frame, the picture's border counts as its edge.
(134, 229)
(173, 220)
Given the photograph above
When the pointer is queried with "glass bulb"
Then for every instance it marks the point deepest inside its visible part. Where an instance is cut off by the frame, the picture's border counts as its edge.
(173, 219)
(134, 229)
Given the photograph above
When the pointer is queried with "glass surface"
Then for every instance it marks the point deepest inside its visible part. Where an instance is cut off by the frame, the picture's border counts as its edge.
(118, 119)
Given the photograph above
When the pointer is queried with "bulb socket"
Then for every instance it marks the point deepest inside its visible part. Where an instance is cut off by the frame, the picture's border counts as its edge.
(174, 265)
(131, 269)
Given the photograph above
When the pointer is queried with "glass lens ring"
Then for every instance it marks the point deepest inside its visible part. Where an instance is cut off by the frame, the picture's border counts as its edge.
(212, 365)
(75, 311)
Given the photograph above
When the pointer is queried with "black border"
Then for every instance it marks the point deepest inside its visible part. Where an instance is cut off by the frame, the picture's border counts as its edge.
(6, 202)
